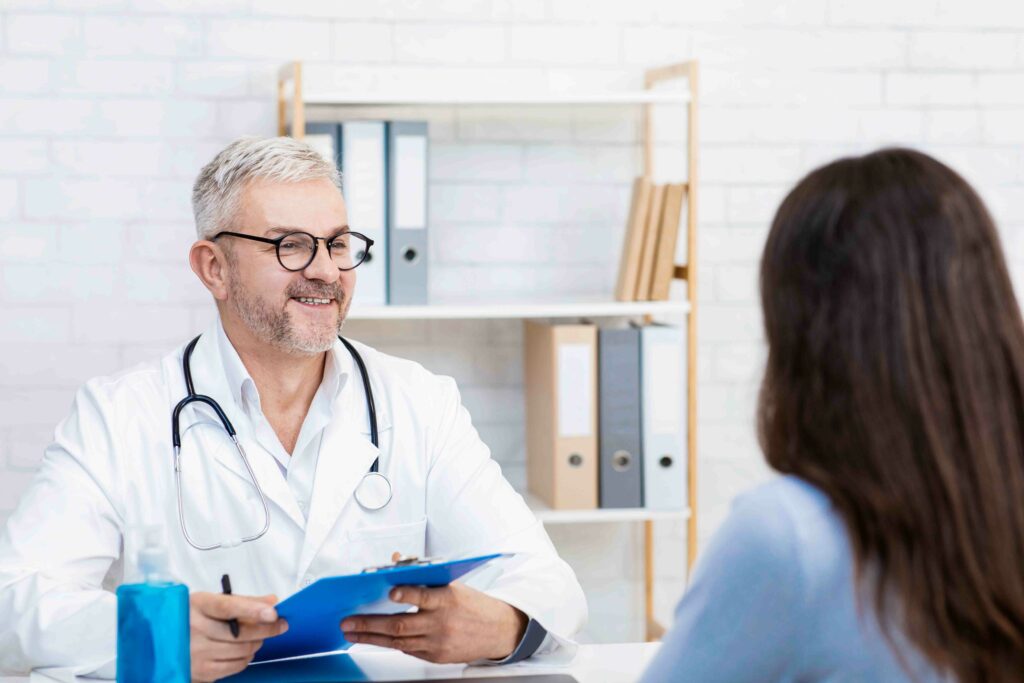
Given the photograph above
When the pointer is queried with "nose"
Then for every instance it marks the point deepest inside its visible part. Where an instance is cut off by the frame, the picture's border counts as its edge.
(322, 267)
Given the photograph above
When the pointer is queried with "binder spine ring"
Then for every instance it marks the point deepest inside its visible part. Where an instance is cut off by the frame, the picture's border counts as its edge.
(622, 460)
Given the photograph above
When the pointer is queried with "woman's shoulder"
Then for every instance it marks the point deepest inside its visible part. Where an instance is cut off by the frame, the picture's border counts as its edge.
(785, 492)
(791, 521)
(788, 505)
(792, 524)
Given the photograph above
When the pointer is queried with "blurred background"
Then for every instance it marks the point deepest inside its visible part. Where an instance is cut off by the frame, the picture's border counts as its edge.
(108, 109)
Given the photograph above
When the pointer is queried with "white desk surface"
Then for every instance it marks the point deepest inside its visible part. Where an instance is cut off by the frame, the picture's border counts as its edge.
(618, 663)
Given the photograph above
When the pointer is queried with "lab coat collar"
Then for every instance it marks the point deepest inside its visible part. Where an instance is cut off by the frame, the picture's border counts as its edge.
(346, 451)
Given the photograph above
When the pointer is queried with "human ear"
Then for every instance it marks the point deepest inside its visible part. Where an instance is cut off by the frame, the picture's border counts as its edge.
(209, 262)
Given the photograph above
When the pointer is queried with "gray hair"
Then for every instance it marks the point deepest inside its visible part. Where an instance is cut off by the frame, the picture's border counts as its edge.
(217, 189)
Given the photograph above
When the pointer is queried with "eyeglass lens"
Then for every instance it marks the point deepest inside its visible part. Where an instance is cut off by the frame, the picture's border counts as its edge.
(296, 251)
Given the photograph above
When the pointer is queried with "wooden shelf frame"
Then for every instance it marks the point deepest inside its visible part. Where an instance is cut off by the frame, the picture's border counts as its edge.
(690, 71)
(291, 74)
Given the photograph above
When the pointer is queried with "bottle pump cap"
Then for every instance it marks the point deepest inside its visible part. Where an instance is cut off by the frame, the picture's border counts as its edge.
(152, 556)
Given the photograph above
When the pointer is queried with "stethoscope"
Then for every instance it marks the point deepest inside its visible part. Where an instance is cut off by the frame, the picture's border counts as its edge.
(373, 492)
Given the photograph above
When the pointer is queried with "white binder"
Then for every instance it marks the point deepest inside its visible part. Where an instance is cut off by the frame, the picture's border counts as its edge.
(363, 164)
(323, 137)
(663, 416)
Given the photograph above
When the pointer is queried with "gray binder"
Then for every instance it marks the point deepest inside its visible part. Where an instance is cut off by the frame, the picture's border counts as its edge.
(621, 470)
(407, 213)
(663, 416)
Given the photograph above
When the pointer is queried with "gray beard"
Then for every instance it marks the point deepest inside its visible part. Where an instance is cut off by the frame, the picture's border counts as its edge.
(276, 327)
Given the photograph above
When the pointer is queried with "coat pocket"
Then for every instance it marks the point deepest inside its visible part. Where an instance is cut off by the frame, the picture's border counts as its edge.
(373, 546)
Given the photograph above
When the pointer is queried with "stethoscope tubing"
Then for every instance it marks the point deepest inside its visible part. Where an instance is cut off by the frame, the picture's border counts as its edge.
(193, 397)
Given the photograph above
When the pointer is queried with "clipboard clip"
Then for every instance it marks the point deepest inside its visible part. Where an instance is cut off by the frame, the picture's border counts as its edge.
(400, 561)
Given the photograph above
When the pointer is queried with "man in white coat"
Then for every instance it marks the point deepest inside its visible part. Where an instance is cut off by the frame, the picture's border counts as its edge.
(295, 396)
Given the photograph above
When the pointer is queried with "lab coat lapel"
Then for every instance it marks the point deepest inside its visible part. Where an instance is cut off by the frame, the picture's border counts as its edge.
(208, 376)
(345, 456)
(346, 452)
(267, 473)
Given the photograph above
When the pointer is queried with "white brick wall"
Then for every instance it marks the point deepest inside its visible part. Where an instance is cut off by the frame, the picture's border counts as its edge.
(109, 107)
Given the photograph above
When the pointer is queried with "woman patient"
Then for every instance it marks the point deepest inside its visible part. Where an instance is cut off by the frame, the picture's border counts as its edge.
(892, 549)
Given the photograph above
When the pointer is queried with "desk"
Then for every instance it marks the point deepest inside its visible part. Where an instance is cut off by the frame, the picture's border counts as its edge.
(618, 663)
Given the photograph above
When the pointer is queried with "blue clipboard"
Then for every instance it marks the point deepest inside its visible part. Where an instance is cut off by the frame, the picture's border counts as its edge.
(337, 668)
(314, 614)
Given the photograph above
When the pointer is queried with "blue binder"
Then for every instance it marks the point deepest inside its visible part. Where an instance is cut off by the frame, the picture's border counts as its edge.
(314, 614)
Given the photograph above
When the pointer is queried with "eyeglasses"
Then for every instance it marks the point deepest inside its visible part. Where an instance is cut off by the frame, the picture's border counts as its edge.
(296, 250)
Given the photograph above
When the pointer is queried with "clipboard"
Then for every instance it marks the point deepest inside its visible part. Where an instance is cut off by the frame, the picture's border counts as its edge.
(314, 613)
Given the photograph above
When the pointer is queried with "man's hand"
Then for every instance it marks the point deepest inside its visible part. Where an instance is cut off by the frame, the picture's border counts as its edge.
(454, 623)
(215, 652)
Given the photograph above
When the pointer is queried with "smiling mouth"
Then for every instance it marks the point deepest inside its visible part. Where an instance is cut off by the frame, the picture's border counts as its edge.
(313, 301)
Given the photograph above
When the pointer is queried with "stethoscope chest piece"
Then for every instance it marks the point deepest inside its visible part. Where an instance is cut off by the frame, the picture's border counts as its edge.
(373, 492)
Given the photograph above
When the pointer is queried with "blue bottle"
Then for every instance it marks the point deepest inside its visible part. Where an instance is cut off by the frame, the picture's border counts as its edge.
(152, 621)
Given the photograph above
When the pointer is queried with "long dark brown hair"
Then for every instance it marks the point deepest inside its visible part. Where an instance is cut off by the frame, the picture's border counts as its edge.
(895, 383)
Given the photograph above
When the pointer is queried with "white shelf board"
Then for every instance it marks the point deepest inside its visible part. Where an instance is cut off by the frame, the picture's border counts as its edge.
(548, 516)
(314, 97)
(513, 310)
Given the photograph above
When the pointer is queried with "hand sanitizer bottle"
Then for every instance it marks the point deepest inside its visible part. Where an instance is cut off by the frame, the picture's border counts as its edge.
(152, 620)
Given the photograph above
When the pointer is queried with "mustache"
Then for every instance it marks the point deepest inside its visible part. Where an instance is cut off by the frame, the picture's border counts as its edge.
(327, 292)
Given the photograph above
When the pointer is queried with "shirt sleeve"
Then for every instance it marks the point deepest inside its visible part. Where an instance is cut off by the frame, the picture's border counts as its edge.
(740, 618)
(533, 638)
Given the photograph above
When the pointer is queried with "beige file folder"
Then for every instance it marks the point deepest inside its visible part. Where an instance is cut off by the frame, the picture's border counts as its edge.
(668, 235)
(643, 280)
(561, 414)
(633, 242)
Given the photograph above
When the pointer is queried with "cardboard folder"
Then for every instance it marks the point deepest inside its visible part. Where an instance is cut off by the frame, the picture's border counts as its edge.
(314, 614)
(633, 242)
(668, 237)
(561, 414)
(645, 274)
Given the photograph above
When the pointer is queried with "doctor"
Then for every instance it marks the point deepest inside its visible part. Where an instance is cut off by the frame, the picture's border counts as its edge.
(306, 469)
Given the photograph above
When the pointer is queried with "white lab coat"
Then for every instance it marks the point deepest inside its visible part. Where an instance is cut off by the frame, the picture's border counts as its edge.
(111, 468)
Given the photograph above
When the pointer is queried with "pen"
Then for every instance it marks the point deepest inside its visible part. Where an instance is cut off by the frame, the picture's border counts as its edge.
(225, 584)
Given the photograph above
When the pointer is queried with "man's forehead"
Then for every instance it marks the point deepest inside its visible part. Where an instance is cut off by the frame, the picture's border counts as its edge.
(277, 230)
(309, 204)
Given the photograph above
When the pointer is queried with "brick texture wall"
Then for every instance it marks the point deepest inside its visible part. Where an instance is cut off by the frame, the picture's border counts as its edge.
(109, 107)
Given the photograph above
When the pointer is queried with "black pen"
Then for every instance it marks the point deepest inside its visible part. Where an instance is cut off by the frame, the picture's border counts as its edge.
(225, 584)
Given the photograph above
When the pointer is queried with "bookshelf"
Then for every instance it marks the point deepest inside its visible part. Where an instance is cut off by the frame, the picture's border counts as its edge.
(297, 90)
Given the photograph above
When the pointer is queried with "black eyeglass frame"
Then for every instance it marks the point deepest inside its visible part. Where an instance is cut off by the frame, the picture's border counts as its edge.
(316, 245)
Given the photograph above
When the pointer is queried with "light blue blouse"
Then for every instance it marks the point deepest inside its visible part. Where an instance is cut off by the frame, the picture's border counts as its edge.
(772, 599)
